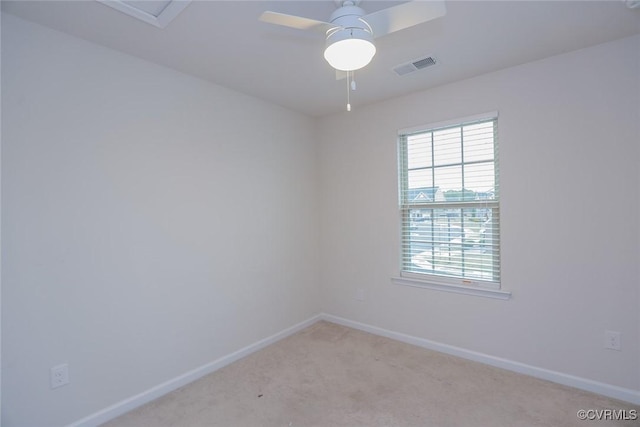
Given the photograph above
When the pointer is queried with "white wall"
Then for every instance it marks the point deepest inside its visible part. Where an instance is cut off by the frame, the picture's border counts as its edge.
(152, 223)
(0, 222)
(569, 141)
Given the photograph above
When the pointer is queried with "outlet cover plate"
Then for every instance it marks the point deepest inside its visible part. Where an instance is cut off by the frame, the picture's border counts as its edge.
(612, 340)
(59, 375)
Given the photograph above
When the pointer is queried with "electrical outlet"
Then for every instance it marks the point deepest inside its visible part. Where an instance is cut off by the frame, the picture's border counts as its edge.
(360, 294)
(612, 340)
(59, 375)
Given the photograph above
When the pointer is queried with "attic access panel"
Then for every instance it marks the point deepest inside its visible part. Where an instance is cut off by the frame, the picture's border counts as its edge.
(158, 13)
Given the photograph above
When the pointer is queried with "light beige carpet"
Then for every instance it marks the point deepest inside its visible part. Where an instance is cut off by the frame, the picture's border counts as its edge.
(330, 375)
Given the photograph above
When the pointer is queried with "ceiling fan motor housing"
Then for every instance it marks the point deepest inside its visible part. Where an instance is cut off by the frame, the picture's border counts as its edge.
(349, 17)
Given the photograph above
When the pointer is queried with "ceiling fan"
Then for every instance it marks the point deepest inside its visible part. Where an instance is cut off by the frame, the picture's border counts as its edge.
(350, 32)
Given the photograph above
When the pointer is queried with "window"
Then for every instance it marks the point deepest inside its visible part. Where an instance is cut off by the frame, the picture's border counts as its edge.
(449, 202)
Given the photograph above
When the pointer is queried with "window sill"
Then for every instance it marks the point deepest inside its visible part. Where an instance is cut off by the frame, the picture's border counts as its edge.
(447, 287)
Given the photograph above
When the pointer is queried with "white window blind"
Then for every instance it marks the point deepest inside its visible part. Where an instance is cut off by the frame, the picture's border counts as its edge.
(449, 201)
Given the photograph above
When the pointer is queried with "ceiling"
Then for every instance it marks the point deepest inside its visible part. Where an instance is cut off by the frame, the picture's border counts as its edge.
(223, 42)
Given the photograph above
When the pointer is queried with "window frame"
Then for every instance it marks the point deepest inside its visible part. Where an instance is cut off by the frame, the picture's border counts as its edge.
(456, 284)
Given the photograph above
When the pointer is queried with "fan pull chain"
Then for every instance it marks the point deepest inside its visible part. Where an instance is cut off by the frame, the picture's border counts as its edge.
(348, 94)
(351, 85)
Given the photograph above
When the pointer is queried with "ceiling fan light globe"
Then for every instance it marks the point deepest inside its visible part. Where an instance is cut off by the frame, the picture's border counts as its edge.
(349, 54)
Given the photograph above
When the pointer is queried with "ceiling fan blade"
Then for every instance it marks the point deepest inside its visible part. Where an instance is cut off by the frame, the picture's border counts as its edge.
(297, 22)
(405, 15)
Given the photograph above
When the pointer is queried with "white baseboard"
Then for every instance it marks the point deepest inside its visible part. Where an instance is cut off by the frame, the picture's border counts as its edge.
(620, 393)
(133, 402)
(120, 408)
